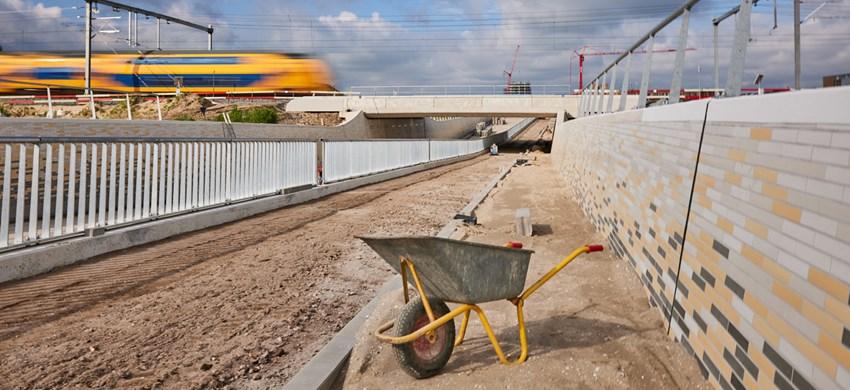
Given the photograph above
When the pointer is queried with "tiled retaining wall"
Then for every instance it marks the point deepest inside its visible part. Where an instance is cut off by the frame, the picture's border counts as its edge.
(762, 294)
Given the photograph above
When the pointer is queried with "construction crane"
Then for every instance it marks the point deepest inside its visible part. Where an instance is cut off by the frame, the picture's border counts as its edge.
(510, 75)
(582, 54)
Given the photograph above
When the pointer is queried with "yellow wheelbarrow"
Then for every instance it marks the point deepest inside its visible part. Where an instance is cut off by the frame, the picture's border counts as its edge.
(461, 272)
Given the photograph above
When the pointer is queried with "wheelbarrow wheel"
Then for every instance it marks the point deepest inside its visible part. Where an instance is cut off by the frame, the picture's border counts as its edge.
(425, 356)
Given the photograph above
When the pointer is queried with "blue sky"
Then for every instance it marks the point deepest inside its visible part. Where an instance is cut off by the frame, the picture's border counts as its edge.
(463, 42)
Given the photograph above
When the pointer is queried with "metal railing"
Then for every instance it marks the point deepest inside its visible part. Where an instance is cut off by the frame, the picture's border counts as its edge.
(348, 159)
(61, 187)
(598, 96)
(431, 90)
(54, 188)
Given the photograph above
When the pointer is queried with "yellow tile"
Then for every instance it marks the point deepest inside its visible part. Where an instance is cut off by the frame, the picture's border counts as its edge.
(829, 284)
(790, 297)
(815, 354)
(827, 323)
(787, 211)
(762, 326)
(755, 304)
(761, 133)
(737, 155)
(756, 228)
(838, 309)
(725, 224)
(774, 192)
(733, 178)
(835, 349)
(765, 174)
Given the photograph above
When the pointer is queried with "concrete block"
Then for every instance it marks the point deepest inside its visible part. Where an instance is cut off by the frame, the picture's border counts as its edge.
(523, 222)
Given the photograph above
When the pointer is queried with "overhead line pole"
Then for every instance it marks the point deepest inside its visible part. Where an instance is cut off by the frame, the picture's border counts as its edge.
(132, 29)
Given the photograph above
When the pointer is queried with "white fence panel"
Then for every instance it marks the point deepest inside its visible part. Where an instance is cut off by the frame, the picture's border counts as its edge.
(349, 159)
(113, 183)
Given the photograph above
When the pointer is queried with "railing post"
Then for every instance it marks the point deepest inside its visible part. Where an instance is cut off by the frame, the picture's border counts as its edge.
(739, 49)
(676, 85)
(611, 87)
(592, 98)
(158, 108)
(716, 63)
(129, 107)
(624, 94)
(647, 69)
(49, 104)
(600, 104)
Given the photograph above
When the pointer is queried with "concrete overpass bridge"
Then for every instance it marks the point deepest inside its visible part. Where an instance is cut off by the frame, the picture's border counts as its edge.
(540, 106)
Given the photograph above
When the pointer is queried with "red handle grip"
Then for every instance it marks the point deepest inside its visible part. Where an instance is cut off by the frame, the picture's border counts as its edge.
(594, 248)
(514, 245)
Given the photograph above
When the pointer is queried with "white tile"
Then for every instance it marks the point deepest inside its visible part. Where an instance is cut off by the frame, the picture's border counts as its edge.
(843, 377)
(797, 359)
(798, 232)
(841, 140)
(793, 264)
(824, 189)
(840, 269)
(820, 223)
(742, 309)
(831, 156)
(791, 181)
(814, 137)
(823, 381)
(839, 175)
(832, 246)
(802, 152)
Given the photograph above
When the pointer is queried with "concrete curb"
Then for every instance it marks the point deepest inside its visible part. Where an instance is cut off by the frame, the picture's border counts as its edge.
(39, 259)
(322, 371)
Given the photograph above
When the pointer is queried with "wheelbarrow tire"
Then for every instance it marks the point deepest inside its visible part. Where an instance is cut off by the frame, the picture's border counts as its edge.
(421, 358)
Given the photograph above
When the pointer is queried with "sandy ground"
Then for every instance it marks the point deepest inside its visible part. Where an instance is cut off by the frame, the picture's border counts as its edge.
(589, 327)
(243, 305)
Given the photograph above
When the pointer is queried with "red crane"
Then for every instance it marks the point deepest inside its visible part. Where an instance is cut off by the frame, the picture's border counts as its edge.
(510, 74)
(582, 54)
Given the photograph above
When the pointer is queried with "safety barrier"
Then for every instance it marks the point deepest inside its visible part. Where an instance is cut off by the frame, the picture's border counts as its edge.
(348, 159)
(54, 188)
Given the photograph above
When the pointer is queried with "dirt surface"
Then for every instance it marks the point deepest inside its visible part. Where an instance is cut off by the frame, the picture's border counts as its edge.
(243, 305)
(589, 327)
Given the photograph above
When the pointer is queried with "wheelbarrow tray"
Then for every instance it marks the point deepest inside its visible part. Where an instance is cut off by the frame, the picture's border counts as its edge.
(458, 271)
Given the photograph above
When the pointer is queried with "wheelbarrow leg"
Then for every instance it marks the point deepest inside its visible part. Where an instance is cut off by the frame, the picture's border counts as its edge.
(463, 326)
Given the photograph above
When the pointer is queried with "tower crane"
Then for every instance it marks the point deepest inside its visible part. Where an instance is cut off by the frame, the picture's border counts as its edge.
(510, 74)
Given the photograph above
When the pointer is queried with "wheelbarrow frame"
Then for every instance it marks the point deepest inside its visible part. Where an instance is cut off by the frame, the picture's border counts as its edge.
(407, 265)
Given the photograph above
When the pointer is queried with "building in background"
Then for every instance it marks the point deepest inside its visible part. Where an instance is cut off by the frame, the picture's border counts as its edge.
(836, 80)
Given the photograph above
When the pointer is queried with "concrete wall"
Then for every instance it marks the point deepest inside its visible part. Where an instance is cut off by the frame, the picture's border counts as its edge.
(357, 127)
(762, 294)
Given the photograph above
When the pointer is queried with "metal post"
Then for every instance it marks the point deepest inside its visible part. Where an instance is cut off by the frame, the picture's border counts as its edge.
(158, 108)
(739, 49)
(797, 54)
(593, 89)
(129, 107)
(91, 106)
(135, 29)
(49, 104)
(647, 68)
(88, 48)
(611, 87)
(716, 63)
(602, 85)
(130, 28)
(624, 94)
(209, 37)
(679, 65)
(158, 43)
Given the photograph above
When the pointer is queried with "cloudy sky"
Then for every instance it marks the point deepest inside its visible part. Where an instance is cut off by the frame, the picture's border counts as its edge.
(456, 43)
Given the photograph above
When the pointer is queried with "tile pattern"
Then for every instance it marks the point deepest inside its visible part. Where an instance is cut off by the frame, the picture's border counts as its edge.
(762, 297)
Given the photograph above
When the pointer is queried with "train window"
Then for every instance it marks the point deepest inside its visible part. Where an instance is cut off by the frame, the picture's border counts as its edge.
(187, 61)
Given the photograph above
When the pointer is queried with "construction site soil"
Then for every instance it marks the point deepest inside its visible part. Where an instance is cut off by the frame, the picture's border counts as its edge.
(590, 327)
(243, 305)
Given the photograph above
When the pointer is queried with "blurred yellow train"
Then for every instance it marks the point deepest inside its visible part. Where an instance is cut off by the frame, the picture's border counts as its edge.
(165, 72)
